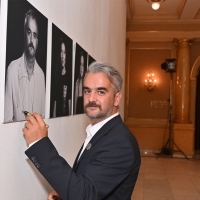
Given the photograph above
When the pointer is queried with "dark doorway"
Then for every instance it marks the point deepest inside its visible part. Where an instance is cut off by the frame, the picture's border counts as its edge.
(197, 115)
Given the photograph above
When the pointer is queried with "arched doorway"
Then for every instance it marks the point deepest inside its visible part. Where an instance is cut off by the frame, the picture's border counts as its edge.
(195, 77)
(197, 115)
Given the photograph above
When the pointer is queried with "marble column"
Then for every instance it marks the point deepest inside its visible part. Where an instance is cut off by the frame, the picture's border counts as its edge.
(183, 129)
(182, 84)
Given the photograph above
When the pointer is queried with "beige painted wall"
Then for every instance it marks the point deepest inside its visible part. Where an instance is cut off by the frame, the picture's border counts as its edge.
(99, 27)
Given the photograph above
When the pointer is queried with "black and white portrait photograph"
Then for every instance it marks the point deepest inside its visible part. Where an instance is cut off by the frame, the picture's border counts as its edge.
(61, 74)
(79, 73)
(26, 54)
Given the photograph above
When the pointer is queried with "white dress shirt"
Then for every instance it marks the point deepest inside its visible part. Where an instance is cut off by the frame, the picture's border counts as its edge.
(92, 130)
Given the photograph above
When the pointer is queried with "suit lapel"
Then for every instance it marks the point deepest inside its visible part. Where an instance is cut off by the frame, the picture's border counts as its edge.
(76, 160)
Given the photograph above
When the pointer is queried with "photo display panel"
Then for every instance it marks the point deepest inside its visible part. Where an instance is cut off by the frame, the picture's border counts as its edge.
(26, 57)
(61, 74)
(79, 73)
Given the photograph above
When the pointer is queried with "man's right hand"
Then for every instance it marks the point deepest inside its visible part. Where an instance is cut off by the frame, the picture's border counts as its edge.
(34, 128)
(54, 196)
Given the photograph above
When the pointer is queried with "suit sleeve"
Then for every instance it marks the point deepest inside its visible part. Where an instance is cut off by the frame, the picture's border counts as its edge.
(106, 171)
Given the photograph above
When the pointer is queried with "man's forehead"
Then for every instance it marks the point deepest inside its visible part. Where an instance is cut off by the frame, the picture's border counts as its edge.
(63, 46)
(98, 79)
(96, 76)
(82, 59)
(31, 22)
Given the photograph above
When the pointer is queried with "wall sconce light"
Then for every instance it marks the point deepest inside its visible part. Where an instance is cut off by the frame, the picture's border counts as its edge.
(150, 82)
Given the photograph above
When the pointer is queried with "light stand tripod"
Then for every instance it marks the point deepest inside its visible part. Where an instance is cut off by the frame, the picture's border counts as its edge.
(166, 149)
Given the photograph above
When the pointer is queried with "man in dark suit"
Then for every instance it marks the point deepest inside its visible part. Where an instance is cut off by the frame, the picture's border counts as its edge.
(107, 165)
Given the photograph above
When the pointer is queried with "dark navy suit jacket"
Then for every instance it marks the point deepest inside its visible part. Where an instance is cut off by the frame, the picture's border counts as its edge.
(108, 170)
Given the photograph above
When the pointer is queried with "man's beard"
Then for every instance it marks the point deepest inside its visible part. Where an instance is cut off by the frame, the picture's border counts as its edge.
(30, 52)
(100, 115)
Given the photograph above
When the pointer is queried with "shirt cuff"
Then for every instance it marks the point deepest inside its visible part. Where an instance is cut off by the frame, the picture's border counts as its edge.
(31, 144)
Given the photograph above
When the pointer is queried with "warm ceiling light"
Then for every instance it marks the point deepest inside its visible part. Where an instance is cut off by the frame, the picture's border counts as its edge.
(155, 5)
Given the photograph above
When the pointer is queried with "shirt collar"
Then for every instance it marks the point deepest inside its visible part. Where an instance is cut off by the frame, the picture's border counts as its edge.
(23, 69)
(91, 130)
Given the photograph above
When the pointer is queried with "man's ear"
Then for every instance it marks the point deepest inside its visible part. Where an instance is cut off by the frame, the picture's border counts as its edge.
(117, 98)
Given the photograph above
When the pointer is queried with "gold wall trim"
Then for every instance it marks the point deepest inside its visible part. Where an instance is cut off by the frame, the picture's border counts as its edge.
(146, 122)
(181, 7)
(130, 8)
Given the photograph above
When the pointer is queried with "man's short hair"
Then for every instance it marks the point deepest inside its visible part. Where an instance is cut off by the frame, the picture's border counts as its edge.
(112, 74)
(30, 13)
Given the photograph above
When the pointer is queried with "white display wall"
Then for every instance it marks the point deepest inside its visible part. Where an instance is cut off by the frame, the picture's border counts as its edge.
(99, 26)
